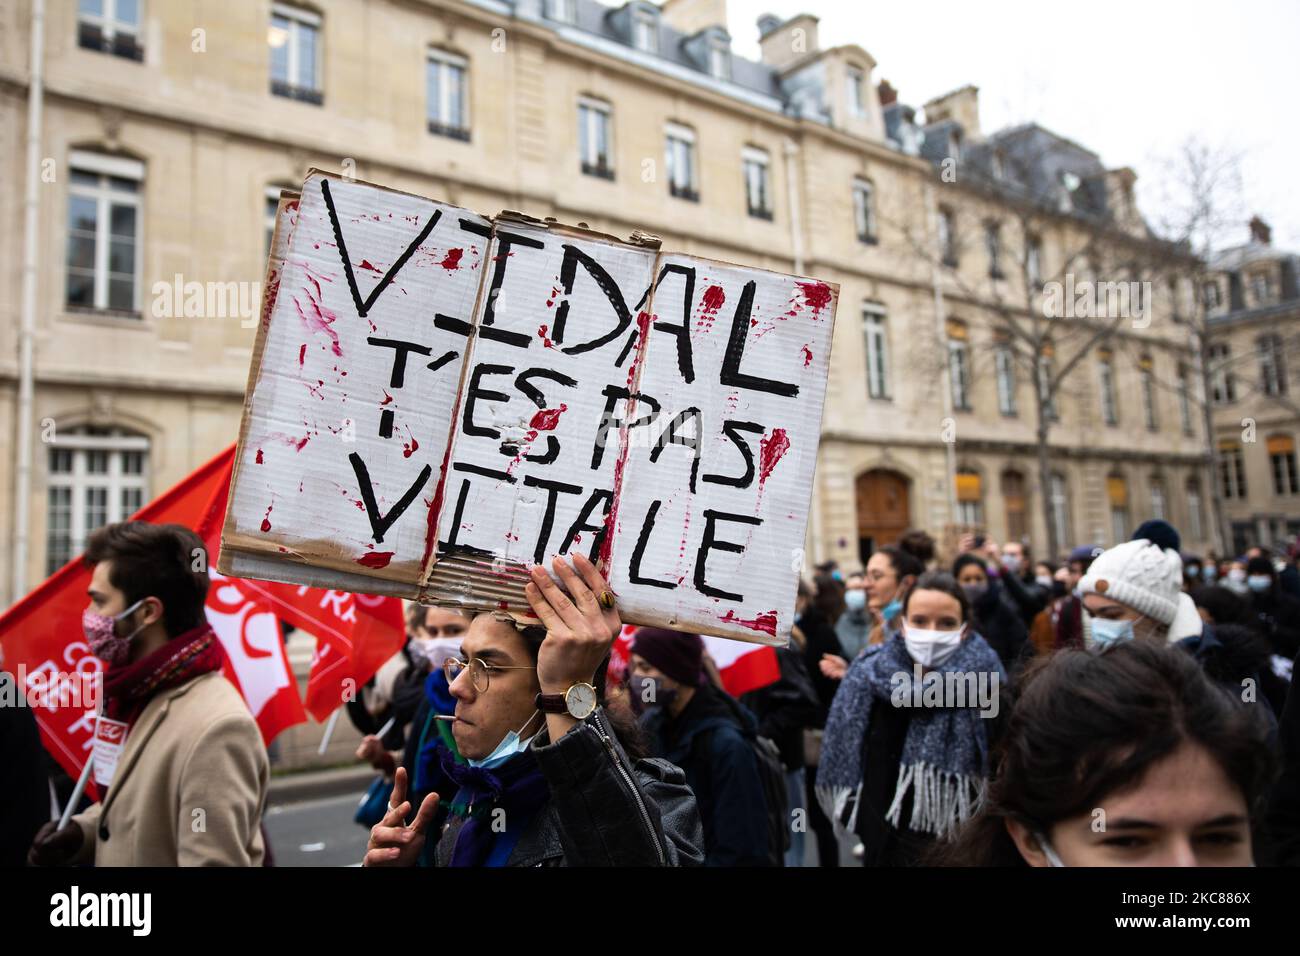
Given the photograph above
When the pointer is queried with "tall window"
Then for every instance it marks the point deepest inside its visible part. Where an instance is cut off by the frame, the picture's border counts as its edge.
(1159, 500)
(1281, 455)
(959, 367)
(1004, 363)
(1223, 384)
(873, 328)
(1059, 497)
(1117, 495)
(993, 244)
(1184, 400)
(1046, 393)
(110, 26)
(1232, 471)
(970, 509)
(948, 236)
(1034, 262)
(1106, 381)
(854, 80)
(680, 157)
(1195, 518)
(294, 38)
(758, 182)
(103, 231)
(645, 31)
(1146, 373)
(864, 210)
(1015, 505)
(97, 476)
(1272, 365)
(594, 138)
(447, 94)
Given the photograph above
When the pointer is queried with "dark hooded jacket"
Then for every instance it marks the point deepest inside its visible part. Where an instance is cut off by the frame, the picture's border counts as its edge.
(709, 741)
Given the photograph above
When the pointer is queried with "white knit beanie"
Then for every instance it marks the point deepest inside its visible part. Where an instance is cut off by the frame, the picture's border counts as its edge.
(1148, 579)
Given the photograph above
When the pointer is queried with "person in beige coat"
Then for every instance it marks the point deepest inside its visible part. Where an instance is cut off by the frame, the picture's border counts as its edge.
(189, 783)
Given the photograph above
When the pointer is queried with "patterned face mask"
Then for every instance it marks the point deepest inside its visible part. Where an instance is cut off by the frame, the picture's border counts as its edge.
(101, 635)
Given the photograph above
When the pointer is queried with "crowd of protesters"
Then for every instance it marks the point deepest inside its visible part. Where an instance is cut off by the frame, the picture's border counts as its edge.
(1123, 706)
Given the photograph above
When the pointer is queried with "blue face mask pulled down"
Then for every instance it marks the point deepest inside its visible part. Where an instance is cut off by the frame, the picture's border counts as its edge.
(510, 745)
(890, 610)
(1106, 632)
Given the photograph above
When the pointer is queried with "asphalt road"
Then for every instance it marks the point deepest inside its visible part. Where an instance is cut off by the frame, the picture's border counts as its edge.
(317, 832)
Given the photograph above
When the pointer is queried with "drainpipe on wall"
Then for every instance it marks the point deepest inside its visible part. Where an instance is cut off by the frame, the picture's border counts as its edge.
(27, 329)
(796, 247)
(949, 447)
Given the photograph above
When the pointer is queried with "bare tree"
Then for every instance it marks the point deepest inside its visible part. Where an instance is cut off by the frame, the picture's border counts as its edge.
(1099, 259)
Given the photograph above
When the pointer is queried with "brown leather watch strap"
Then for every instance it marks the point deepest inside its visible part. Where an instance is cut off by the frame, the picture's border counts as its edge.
(551, 703)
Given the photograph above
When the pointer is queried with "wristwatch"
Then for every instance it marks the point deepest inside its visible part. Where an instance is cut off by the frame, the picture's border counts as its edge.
(579, 702)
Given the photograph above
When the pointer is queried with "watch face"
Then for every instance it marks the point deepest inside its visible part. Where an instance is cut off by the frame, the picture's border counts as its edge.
(581, 700)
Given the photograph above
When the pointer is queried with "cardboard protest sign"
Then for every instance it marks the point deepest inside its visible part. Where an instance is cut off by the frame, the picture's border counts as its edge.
(439, 401)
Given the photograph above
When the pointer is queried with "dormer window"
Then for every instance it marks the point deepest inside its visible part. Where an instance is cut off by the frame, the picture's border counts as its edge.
(999, 165)
(645, 31)
(719, 58)
(1071, 182)
(854, 80)
(562, 11)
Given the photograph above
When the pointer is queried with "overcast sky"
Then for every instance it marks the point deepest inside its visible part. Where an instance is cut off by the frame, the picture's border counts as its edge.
(1129, 80)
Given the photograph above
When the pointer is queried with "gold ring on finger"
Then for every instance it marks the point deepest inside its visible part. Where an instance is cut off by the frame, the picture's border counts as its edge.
(606, 599)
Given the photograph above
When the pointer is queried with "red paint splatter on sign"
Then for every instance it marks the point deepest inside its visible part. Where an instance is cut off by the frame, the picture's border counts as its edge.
(548, 418)
(376, 559)
(266, 520)
(319, 319)
(451, 261)
(387, 398)
(771, 448)
(259, 456)
(302, 354)
(764, 622)
(541, 334)
(807, 356)
(410, 449)
(370, 266)
(817, 295)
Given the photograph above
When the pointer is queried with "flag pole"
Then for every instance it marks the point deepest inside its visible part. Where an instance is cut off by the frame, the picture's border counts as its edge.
(329, 731)
(77, 791)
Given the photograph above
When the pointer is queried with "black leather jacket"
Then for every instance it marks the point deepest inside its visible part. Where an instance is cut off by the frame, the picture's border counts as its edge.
(604, 810)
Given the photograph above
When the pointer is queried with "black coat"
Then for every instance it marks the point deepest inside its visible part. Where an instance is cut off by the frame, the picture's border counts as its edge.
(786, 708)
(1277, 615)
(998, 621)
(604, 810)
(1284, 803)
(25, 797)
(709, 740)
(819, 639)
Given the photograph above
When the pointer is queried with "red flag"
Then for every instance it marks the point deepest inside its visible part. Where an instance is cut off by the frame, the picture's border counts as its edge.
(355, 634)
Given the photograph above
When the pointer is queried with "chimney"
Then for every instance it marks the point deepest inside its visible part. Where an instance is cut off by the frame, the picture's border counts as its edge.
(887, 93)
(961, 106)
(1260, 232)
(785, 43)
(692, 16)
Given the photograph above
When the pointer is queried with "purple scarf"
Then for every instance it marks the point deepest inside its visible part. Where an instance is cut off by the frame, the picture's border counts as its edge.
(517, 787)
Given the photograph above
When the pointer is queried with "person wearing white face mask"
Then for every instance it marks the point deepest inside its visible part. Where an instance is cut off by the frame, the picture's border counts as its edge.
(906, 748)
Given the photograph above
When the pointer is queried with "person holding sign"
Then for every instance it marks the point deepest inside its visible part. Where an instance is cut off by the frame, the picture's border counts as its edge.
(551, 777)
(178, 759)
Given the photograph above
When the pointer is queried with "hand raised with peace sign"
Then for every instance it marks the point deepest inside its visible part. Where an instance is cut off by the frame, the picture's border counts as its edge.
(392, 842)
(579, 631)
